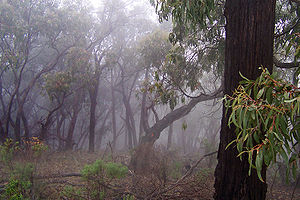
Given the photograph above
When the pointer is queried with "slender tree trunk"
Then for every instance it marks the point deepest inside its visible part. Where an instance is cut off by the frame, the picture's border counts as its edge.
(183, 137)
(2, 132)
(93, 92)
(144, 115)
(129, 131)
(25, 124)
(129, 118)
(69, 139)
(113, 111)
(59, 123)
(93, 100)
(249, 44)
(170, 134)
(17, 128)
(76, 109)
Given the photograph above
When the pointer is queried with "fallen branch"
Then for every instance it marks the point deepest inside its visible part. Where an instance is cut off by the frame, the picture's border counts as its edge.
(58, 176)
(188, 173)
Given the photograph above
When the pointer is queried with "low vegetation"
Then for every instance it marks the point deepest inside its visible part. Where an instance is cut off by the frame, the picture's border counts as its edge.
(80, 175)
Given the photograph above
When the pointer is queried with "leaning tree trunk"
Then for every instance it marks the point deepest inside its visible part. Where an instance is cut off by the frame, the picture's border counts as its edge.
(141, 157)
(249, 44)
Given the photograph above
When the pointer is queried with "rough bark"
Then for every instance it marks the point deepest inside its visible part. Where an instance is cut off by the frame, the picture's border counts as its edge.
(249, 45)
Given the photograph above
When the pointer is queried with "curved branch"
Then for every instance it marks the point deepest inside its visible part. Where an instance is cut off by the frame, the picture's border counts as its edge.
(153, 133)
(285, 65)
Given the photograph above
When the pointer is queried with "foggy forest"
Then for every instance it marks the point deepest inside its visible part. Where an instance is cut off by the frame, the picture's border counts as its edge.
(149, 99)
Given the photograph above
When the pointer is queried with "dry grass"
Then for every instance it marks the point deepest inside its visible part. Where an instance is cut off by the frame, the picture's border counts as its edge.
(158, 183)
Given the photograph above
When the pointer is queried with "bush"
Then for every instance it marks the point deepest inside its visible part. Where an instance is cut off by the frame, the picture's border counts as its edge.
(17, 190)
(20, 183)
(7, 151)
(99, 176)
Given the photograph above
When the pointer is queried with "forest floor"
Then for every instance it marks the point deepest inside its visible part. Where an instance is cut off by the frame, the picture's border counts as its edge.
(58, 176)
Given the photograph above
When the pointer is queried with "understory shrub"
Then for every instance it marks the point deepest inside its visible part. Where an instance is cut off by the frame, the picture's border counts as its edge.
(20, 184)
(98, 176)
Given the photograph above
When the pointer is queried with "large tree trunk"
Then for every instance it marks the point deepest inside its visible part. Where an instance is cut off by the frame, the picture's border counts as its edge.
(249, 44)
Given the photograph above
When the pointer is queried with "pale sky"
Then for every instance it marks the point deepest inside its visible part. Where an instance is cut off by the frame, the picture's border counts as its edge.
(131, 3)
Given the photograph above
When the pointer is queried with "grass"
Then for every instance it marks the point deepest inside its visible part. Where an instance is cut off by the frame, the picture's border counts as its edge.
(132, 186)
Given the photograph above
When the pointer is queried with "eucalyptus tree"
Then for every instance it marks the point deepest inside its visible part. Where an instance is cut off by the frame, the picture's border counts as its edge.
(286, 51)
(248, 44)
(35, 35)
(109, 18)
(68, 79)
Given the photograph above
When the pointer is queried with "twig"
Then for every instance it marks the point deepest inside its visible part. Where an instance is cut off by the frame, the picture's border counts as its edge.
(295, 187)
(188, 173)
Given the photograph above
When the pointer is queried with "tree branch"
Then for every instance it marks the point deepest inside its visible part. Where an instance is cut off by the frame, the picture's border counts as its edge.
(153, 133)
(285, 65)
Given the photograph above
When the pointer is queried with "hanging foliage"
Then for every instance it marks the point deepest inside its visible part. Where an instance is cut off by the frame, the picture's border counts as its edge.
(266, 114)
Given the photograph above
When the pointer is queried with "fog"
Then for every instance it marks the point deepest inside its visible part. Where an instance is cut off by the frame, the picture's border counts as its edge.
(105, 78)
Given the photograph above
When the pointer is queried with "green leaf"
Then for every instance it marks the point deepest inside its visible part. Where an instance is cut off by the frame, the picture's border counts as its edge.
(234, 119)
(244, 77)
(230, 144)
(245, 119)
(268, 157)
(260, 93)
(250, 157)
(239, 146)
(290, 100)
(269, 95)
(278, 136)
(284, 156)
(258, 164)
(256, 137)
(255, 89)
(268, 118)
(253, 115)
